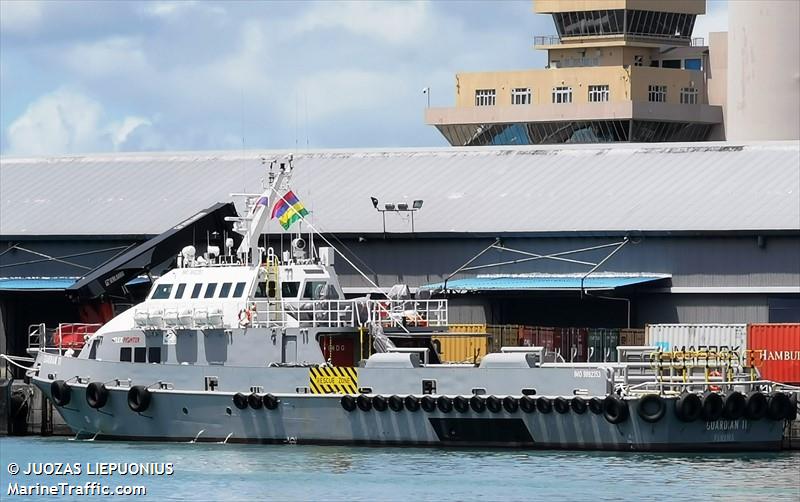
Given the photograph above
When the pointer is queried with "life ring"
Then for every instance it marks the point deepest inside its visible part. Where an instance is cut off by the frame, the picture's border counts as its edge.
(412, 403)
(561, 405)
(544, 405)
(445, 404)
(396, 403)
(240, 400)
(255, 401)
(651, 408)
(96, 395)
(713, 406)
(735, 405)
(270, 401)
(688, 407)
(348, 403)
(477, 403)
(527, 404)
(364, 402)
(379, 403)
(60, 392)
(429, 403)
(461, 404)
(245, 317)
(139, 398)
(715, 388)
(510, 404)
(756, 405)
(494, 404)
(578, 405)
(615, 409)
(778, 407)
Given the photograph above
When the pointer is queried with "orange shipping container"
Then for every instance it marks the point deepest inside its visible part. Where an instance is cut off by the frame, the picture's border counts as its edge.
(775, 350)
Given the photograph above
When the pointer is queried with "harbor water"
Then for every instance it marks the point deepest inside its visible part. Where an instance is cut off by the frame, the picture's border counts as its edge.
(298, 472)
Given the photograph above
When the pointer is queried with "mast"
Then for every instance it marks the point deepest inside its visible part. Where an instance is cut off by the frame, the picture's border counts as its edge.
(254, 223)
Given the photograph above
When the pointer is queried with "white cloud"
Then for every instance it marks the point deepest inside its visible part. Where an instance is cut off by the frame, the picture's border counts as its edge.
(166, 8)
(110, 57)
(392, 22)
(66, 121)
(20, 16)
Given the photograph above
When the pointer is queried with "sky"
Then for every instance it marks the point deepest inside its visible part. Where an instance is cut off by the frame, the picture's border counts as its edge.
(103, 76)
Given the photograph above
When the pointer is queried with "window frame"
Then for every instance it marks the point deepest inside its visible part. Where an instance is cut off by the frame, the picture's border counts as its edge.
(180, 290)
(211, 288)
(599, 93)
(485, 97)
(562, 95)
(238, 289)
(127, 352)
(521, 94)
(196, 290)
(689, 95)
(225, 290)
(140, 354)
(657, 93)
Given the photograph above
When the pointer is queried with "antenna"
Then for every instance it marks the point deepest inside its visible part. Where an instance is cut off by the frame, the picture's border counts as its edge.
(306, 96)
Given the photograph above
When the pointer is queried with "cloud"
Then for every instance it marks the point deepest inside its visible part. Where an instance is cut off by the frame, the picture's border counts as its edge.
(20, 16)
(66, 121)
(392, 22)
(111, 56)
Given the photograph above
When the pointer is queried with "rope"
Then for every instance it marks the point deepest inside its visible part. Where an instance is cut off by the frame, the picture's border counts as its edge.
(8, 359)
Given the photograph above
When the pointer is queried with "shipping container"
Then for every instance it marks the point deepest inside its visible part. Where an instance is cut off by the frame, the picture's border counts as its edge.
(632, 337)
(461, 349)
(339, 350)
(503, 335)
(775, 350)
(717, 337)
(573, 344)
(602, 344)
(467, 329)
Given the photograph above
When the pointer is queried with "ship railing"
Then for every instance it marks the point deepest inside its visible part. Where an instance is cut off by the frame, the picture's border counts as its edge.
(408, 313)
(740, 383)
(305, 313)
(67, 336)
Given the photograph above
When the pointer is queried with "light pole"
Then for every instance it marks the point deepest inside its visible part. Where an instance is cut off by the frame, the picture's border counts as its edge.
(401, 207)
(427, 92)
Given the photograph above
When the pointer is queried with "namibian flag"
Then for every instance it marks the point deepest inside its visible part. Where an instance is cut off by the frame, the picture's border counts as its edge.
(288, 209)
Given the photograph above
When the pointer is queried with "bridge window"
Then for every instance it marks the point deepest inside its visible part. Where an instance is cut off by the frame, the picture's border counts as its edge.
(290, 289)
(140, 354)
(314, 290)
(125, 354)
(179, 291)
(238, 291)
(212, 286)
(162, 292)
(225, 290)
(154, 354)
(196, 290)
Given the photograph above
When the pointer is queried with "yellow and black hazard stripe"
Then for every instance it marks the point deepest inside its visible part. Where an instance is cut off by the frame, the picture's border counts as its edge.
(333, 380)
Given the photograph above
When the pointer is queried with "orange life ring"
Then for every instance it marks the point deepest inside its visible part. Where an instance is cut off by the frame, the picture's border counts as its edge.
(715, 388)
(245, 317)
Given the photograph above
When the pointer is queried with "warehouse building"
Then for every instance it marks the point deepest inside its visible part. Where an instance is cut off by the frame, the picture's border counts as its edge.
(579, 235)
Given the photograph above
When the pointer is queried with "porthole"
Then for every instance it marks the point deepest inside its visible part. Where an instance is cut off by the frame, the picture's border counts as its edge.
(185, 410)
(228, 410)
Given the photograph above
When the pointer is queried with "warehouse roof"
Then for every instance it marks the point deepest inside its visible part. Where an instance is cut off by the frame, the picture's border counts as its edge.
(575, 188)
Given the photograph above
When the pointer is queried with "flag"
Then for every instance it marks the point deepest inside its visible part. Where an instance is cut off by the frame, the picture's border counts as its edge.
(288, 210)
(262, 201)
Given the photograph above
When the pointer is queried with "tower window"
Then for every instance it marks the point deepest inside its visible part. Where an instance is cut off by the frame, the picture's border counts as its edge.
(598, 93)
(484, 97)
(520, 96)
(688, 95)
(657, 93)
(562, 94)
(638, 60)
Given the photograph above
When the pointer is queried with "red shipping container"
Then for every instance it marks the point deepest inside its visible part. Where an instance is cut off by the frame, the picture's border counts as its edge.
(340, 350)
(545, 338)
(574, 338)
(775, 350)
(527, 336)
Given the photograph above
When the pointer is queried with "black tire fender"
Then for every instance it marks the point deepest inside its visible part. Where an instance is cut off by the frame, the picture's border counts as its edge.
(270, 401)
(578, 405)
(615, 409)
(256, 401)
(380, 403)
(688, 407)
(96, 395)
(477, 403)
(60, 392)
(561, 405)
(364, 402)
(651, 408)
(527, 404)
(544, 405)
(139, 398)
(510, 404)
(240, 400)
(396, 403)
(348, 403)
(735, 405)
(713, 406)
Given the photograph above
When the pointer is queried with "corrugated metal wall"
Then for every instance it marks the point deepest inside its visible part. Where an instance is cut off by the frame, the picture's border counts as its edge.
(733, 261)
(702, 308)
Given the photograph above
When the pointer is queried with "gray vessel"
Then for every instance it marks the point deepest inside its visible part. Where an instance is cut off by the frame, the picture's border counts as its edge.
(248, 346)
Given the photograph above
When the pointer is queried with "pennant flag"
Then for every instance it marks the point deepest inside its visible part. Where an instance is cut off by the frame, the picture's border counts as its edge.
(288, 210)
